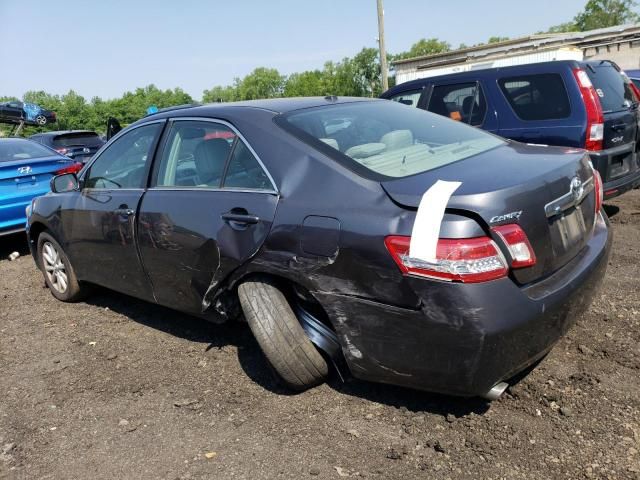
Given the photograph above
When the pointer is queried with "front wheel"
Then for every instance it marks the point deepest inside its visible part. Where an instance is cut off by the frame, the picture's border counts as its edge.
(280, 336)
(41, 120)
(57, 270)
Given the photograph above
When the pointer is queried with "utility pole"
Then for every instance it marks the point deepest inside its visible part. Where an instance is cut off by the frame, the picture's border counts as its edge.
(383, 51)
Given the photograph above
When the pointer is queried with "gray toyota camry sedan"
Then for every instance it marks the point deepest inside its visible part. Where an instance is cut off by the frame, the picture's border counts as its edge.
(387, 242)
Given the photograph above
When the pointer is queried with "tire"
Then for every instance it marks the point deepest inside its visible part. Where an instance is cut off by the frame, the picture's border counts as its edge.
(282, 339)
(57, 270)
(41, 120)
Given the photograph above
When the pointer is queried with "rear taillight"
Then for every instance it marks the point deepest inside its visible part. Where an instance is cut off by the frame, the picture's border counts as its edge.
(468, 260)
(73, 168)
(595, 118)
(517, 243)
(599, 189)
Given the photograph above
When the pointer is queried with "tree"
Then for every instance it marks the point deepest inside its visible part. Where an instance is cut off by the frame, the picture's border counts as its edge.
(220, 93)
(600, 14)
(606, 13)
(497, 39)
(261, 83)
(424, 47)
(306, 84)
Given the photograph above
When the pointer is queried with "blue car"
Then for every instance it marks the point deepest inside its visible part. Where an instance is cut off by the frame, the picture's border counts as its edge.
(589, 105)
(26, 169)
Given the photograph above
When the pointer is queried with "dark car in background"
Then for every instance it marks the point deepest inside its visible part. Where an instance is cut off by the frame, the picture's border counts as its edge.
(26, 169)
(590, 105)
(310, 214)
(80, 145)
(31, 114)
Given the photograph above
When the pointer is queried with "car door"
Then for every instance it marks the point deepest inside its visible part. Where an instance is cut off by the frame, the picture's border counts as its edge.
(209, 209)
(101, 228)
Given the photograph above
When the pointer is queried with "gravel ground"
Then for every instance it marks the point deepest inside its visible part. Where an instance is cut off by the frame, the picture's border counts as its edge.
(118, 388)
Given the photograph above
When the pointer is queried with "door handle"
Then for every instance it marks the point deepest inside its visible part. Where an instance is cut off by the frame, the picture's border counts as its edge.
(127, 212)
(240, 216)
(619, 127)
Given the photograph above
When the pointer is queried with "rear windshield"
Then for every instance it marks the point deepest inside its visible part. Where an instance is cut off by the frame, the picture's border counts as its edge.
(84, 139)
(17, 149)
(387, 138)
(614, 92)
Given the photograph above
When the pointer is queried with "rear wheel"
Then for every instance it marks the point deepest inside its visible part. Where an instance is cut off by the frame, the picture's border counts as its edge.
(296, 361)
(41, 120)
(57, 270)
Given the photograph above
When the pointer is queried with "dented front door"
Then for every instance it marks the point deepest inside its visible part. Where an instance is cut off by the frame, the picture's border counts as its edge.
(190, 240)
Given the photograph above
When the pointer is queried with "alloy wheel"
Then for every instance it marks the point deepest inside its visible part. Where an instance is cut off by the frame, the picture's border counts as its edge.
(54, 267)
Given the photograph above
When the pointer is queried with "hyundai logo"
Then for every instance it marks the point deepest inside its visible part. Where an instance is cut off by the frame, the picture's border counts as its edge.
(24, 170)
(576, 188)
(85, 150)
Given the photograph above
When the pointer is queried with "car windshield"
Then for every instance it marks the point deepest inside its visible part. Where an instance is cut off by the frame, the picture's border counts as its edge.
(388, 138)
(17, 149)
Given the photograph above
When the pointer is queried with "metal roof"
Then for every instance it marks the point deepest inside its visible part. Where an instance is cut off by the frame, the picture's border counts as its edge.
(529, 43)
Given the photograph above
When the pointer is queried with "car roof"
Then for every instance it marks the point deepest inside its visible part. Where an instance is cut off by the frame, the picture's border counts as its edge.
(275, 105)
(60, 132)
(482, 72)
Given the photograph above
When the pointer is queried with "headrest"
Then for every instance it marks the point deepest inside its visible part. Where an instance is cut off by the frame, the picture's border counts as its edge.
(365, 150)
(210, 157)
(397, 139)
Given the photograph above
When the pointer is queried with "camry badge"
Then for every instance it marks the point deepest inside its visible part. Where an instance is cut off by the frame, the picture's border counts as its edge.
(24, 170)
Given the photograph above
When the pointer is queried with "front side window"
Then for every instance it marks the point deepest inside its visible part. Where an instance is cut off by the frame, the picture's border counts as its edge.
(537, 97)
(409, 98)
(464, 102)
(124, 163)
(387, 139)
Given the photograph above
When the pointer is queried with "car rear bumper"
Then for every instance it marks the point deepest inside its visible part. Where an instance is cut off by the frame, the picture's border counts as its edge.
(618, 168)
(465, 338)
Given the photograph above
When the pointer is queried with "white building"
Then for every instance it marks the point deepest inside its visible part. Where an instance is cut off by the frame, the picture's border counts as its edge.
(620, 44)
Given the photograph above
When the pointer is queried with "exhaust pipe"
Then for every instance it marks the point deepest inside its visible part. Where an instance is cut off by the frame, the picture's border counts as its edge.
(496, 391)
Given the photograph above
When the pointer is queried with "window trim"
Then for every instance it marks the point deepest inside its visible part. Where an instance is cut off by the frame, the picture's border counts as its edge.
(478, 85)
(239, 135)
(564, 84)
(105, 147)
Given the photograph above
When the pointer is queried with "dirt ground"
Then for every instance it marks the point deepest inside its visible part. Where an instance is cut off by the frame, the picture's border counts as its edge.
(118, 388)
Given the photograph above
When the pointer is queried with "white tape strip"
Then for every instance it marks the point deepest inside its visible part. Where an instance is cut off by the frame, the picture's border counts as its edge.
(426, 228)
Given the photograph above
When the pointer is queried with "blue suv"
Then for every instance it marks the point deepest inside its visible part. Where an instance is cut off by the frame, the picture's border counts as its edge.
(591, 105)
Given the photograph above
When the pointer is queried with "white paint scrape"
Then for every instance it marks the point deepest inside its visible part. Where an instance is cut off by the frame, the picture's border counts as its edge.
(426, 228)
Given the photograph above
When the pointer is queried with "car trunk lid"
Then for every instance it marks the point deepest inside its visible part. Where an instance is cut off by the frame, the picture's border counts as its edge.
(518, 184)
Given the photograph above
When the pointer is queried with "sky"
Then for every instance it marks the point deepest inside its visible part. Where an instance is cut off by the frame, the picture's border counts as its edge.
(104, 48)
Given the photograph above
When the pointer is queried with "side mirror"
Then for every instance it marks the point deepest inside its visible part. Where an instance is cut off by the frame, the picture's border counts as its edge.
(67, 182)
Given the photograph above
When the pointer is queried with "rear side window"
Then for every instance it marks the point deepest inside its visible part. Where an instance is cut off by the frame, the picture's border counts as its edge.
(614, 93)
(537, 97)
(83, 139)
(410, 97)
(464, 102)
